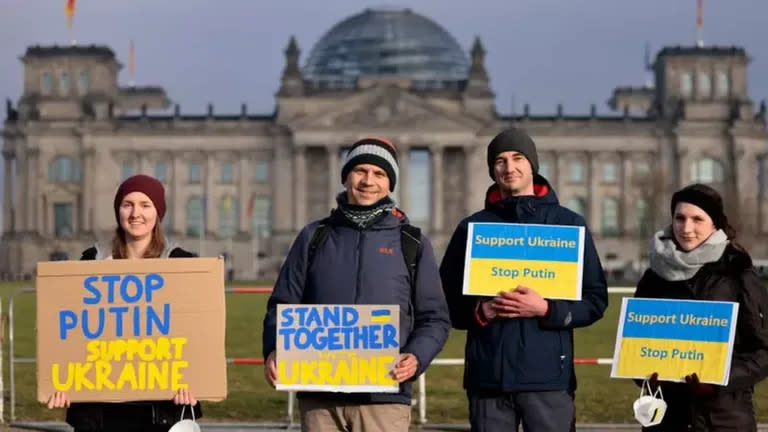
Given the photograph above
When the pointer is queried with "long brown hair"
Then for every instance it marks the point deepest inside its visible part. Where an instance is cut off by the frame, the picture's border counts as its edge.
(154, 250)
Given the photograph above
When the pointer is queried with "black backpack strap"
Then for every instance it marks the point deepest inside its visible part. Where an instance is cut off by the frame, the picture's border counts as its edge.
(410, 240)
(318, 238)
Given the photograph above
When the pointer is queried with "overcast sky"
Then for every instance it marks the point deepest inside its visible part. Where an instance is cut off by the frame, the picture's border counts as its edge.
(541, 52)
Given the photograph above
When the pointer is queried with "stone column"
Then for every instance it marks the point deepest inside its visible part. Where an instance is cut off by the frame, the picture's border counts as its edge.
(145, 165)
(555, 174)
(300, 186)
(179, 204)
(334, 174)
(282, 182)
(593, 198)
(210, 200)
(243, 193)
(87, 170)
(40, 175)
(22, 184)
(436, 157)
(627, 224)
(8, 193)
(403, 162)
(30, 192)
(470, 174)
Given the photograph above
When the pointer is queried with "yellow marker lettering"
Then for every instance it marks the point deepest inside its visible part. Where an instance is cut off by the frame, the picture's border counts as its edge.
(341, 375)
(127, 375)
(367, 371)
(143, 374)
(178, 345)
(57, 385)
(147, 352)
(177, 375)
(163, 349)
(94, 353)
(308, 375)
(80, 380)
(283, 377)
(385, 363)
(117, 349)
(158, 377)
(132, 347)
(103, 370)
(324, 371)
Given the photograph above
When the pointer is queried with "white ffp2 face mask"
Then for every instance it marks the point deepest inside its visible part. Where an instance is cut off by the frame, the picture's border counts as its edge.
(186, 425)
(649, 408)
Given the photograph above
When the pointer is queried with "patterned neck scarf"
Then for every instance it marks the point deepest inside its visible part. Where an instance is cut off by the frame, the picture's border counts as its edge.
(364, 216)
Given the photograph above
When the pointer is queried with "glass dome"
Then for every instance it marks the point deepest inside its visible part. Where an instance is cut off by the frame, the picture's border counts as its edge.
(381, 43)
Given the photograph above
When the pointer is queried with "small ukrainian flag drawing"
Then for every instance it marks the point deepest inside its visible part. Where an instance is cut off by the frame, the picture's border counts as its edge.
(380, 316)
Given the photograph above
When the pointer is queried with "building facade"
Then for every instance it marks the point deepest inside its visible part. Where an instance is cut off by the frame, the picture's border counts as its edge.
(243, 185)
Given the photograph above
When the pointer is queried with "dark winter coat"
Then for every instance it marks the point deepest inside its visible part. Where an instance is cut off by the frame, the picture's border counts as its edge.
(733, 279)
(354, 266)
(128, 416)
(523, 354)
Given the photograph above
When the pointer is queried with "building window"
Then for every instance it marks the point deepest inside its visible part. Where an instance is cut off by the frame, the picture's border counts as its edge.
(84, 84)
(544, 169)
(686, 84)
(64, 170)
(46, 83)
(642, 168)
(228, 217)
(260, 213)
(578, 205)
(722, 85)
(227, 172)
(62, 220)
(161, 171)
(610, 217)
(420, 188)
(261, 172)
(576, 171)
(193, 172)
(706, 170)
(705, 85)
(127, 169)
(644, 222)
(64, 83)
(194, 216)
(610, 174)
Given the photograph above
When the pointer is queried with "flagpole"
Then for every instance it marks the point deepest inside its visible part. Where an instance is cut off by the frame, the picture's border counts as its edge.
(700, 23)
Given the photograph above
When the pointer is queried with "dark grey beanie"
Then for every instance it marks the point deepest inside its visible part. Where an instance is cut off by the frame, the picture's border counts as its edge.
(512, 139)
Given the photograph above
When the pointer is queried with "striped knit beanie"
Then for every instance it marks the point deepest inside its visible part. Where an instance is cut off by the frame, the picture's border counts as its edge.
(374, 151)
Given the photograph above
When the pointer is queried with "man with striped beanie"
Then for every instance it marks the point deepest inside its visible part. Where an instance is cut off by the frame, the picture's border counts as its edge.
(365, 252)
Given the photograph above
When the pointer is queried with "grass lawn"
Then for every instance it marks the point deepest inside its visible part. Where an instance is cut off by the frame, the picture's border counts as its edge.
(251, 399)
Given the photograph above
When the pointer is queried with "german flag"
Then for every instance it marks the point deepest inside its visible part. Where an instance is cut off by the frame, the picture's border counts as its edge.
(69, 9)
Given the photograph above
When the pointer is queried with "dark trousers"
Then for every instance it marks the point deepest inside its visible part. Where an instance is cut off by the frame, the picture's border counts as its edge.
(546, 411)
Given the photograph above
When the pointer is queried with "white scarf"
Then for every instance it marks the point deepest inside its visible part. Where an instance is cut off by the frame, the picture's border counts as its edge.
(673, 264)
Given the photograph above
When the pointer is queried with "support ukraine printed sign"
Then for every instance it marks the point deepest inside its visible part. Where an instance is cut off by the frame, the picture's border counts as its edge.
(546, 258)
(340, 348)
(675, 338)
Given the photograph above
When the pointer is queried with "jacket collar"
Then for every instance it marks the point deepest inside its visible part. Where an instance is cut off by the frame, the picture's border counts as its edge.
(515, 207)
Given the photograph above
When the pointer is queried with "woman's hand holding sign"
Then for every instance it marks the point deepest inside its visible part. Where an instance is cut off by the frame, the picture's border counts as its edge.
(523, 302)
(58, 400)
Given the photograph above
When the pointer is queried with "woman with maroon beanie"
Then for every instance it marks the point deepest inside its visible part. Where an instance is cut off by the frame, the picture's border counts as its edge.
(139, 210)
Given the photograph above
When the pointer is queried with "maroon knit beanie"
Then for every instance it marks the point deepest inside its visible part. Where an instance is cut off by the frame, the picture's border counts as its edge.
(145, 184)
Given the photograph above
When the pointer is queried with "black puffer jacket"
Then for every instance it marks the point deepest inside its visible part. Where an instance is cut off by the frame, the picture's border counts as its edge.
(128, 416)
(732, 278)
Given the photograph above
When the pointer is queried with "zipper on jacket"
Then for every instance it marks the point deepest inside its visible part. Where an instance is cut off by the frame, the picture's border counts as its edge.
(359, 259)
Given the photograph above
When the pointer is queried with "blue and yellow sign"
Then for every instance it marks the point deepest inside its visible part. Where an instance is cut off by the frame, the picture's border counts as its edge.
(546, 258)
(675, 338)
(342, 348)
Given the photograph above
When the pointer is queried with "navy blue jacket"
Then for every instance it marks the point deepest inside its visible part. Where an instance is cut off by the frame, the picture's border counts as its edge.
(523, 354)
(355, 266)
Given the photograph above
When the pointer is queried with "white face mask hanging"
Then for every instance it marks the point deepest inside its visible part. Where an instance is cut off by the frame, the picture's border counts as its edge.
(649, 408)
(186, 425)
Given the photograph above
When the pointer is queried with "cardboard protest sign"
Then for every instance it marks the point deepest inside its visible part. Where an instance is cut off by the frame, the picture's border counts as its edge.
(121, 330)
(547, 258)
(341, 348)
(675, 338)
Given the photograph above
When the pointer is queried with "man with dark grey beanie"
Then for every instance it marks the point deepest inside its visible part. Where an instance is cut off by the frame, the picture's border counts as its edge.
(519, 364)
(365, 252)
